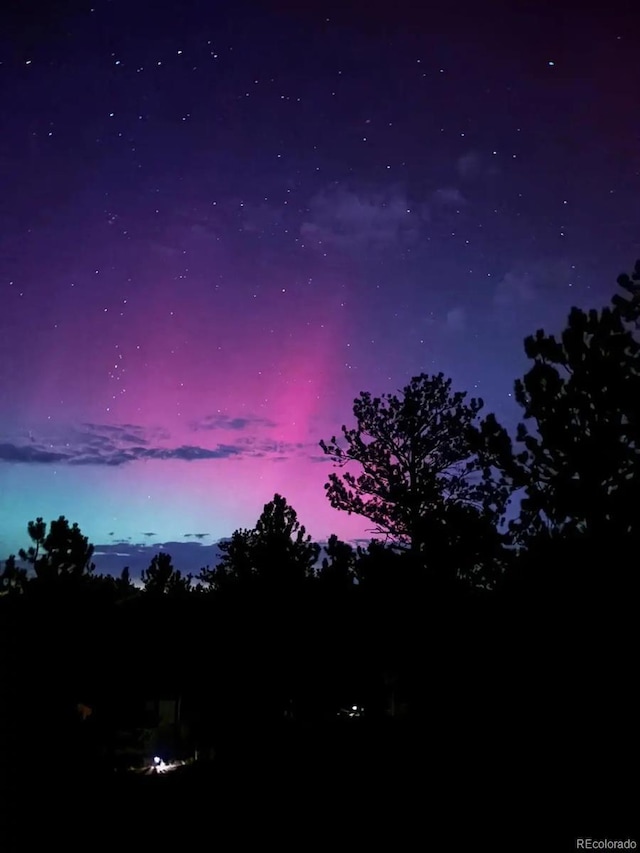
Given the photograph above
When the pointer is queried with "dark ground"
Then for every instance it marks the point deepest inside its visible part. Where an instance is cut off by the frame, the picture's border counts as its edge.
(351, 784)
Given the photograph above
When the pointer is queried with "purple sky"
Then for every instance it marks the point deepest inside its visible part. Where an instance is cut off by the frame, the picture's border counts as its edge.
(222, 221)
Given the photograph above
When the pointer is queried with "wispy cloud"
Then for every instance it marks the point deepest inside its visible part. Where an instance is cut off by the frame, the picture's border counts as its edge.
(532, 293)
(349, 219)
(468, 165)
(226, 422)
(525, 283)
(515, 288)
(261, 218)
(473, 166)
(449, 197)
(456, 319)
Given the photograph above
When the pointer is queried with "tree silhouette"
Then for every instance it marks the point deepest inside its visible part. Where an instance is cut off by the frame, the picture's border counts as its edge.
(62, 552)
(282, 549)
(277, 550)
(13, 578)
(338, 567)
(236, 564)
(123, 587)
(629, 308)
(378, 565)
(161, 578)
(423, 456)
(581, 462)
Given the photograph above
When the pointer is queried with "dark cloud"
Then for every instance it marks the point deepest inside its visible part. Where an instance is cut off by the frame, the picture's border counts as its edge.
(131, 433)
(188, 557)
(126, 432)
(115, 446)
(134, 439)
(189, 452)
(110, 456)
(30, 453)
(112, 448)
(149, 534)
(196, 535)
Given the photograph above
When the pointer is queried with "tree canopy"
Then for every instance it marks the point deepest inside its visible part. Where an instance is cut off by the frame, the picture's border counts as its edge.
(628, 307)
(278, 550)
(580, 459)
(424, 459)
(161, 578)
(60, 552)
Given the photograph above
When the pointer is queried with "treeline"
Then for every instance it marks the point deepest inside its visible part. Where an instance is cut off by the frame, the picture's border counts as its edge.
(435, 477)
(480, 627)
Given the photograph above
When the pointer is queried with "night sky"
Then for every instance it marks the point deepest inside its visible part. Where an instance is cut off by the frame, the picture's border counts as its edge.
(221, 221)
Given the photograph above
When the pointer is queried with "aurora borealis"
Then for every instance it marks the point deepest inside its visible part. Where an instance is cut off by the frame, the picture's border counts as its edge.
(222, 221)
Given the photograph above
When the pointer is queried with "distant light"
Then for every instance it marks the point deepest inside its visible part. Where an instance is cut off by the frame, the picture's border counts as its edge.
(157, 760)
(354, 707)
(551, 63)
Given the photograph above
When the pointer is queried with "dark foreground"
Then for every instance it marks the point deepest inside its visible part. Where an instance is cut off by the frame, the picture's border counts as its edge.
(344, 785)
